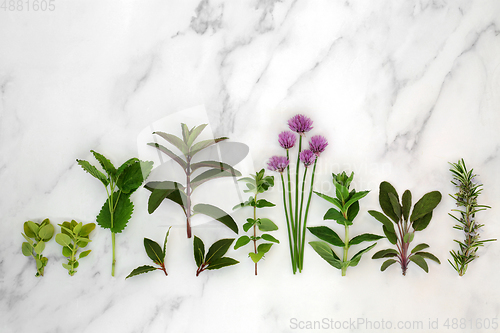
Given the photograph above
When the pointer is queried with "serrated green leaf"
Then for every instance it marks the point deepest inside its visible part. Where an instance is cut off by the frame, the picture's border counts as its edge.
(327, 234)
(66, 251)
(420, 262)
(357, 257)
(256, 256)
(406, 204)
(218, 249)
(153, 251)
(141, 270)
(222, 262)
(174, 140)
(170, 154)
(121, 215)
(87, 229)
(385, 254)
(199, 251)
(419, 247)
(46, 232)
(27, 249)
(264, 203)
(242, 241)
(132, 177)
(195, 132)
(386, 264)
(422, 223)
(105, 163)
(197, 147)
(326, 253)
(63, 239)
(264, 247)
(269, 238)
(40, 247)
(92, 170)
(29, 233)
(84, 254)
(385, 202)
(364, 238)
(210, 175)
(428, 256)
(265, 224)
(425, 205)
(217, 214)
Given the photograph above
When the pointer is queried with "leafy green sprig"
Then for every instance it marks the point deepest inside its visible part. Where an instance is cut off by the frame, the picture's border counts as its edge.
(36, 235)
(400, 226)
(347, 203)
(214, 258)
(466, 198)
(120, 184)
(74, 235)
(258, 183)
(180, 194)
(155, 253)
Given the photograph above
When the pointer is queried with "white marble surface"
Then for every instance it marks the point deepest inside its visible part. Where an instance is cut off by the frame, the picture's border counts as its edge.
(399, 88)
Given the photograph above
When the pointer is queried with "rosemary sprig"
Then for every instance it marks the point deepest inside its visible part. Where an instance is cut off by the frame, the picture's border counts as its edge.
(466, 198)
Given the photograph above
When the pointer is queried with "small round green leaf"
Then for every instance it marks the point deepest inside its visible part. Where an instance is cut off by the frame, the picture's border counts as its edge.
(46, 232)
(63, 239)
(242, 241)
(270, 238)
(66, 251)
(28, 231)
(27, 249)
(84, 254)
(265, 224)
(40, 247)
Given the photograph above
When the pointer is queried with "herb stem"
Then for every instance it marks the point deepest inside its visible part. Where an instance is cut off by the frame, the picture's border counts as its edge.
(299, 230)
(296, 232)
(255, 229)
(289, 229)
(306, 213)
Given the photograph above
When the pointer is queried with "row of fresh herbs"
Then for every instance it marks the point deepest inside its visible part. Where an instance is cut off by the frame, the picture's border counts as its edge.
(399, 226)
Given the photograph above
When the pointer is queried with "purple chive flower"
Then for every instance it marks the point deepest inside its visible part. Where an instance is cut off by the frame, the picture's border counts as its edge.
(277, 163)
(287, 139)
(300, 124)
(317, 144)
(307, 157)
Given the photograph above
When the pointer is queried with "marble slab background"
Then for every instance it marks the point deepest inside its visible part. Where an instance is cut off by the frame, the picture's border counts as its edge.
(399, 88)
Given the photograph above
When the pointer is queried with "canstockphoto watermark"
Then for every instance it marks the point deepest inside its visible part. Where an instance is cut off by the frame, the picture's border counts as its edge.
(431, 324)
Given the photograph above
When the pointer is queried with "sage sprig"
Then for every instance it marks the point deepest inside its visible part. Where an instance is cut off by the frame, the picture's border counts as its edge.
(256, 184)
(400, 226)
(214, 258)
(180, 194)
(466, 199)
(155, 253)
(120, 184)
(36, 235)
(347, 208)
(74, 235)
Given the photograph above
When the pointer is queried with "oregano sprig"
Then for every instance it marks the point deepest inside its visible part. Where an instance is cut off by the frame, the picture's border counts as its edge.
(155, 253)
(256, 184)
(36, 235)
(214, 258)
(74, 235)
(120, 184)
(181, 194)
(347, 208)
(466, 199)
(400, 226)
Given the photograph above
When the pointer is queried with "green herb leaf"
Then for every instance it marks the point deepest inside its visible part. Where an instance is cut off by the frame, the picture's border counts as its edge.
(87, 229)
(357, 257)
(30, 241)
(333, 214)
(423, 222)
(385, 254)
(92, 170)
(222, 262)
(326, 253)
(27, 230)
(33, 227)
(63, 240)
(364, 238)
(46, 232)
(105, 163)
(391, 236)
(141, 270)
(356, 197)
(199, 251)
(164, 253)
(256, 256)
(385, 202)
(39, 247)
(408, 238)
(133, 175)
(420, 262)
(27, 249)
(185, 133)
(406, 204)
(395, 204)
(429, 256)
(170, 154)
(386, 264)
(264, 247)
(122, 214)
(218, 249)
(425, 205)
(165, 190)
(242, 241)
(154, 251)
(66, 251)
(84, 254)
(174, 140)
(334, 201)
(419, 247)
(353, 211)
(265, 224)
(327, 234)
(383, 219)
(194, 133)
(248, 225)
(269, 238)
(264, 203)
(217, 214)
